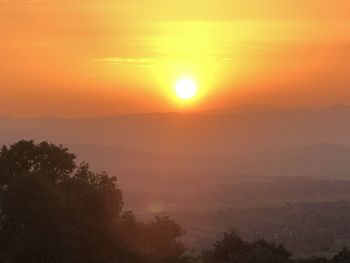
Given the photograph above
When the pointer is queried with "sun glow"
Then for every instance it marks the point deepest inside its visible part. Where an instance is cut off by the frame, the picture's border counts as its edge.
(186, 88)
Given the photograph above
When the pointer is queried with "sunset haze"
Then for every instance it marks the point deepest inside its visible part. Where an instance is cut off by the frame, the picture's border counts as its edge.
(114, 57)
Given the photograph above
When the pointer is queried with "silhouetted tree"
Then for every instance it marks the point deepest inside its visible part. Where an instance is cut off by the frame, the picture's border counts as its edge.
(313, 260)
(343, 256)
(263, 251)
(52, 210)
(233, 249)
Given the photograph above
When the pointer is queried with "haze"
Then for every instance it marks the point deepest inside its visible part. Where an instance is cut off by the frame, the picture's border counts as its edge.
(104, 57)
(224, 115)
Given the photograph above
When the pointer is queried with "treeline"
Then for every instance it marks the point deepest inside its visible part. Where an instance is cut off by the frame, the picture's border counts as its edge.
(53, 210)
(305, 228)
(233, 249)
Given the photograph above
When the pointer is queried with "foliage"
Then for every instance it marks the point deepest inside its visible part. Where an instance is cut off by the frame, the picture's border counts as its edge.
(313, 260)
(53, 210)
(233, 249)
(342, 256)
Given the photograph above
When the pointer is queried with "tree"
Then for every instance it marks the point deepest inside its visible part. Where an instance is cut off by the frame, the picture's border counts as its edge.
(26, 157)
(313, 260)
(265, 252)
(233, 249)
(343, 256)
(52, 210)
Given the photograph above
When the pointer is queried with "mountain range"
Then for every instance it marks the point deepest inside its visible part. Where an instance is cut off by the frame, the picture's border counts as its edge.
(169, 148)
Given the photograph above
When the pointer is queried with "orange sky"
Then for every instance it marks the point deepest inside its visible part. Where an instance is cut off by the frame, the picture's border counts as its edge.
(84, 58)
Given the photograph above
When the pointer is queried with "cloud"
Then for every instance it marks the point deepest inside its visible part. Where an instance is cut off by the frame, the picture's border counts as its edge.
(148, 61)
(130, 61)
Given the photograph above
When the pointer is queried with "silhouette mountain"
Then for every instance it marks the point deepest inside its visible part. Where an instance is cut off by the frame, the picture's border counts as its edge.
(161, 145)
(338, 108)
(192, 133)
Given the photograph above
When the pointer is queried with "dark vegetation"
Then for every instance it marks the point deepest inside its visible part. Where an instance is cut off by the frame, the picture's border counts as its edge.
(53, 210)
(305, 228)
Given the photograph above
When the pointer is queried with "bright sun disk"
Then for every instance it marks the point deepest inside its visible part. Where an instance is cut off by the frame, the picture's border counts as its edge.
(186, 88)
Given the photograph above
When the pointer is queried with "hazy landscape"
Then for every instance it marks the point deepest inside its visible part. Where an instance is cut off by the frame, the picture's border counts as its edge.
(187, 131)
(263, 171)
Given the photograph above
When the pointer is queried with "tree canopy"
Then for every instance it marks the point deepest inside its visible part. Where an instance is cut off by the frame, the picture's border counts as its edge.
(233, 249)
(53, 210)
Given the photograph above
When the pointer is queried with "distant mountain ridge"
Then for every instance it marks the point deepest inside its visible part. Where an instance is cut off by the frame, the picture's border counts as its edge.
(188, 132)
(196, 143)
(338, 108)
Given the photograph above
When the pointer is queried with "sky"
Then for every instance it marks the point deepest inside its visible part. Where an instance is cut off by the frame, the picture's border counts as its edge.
(92, 58)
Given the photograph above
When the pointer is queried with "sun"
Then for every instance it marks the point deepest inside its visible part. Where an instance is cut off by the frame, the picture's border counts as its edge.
(186, 88)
